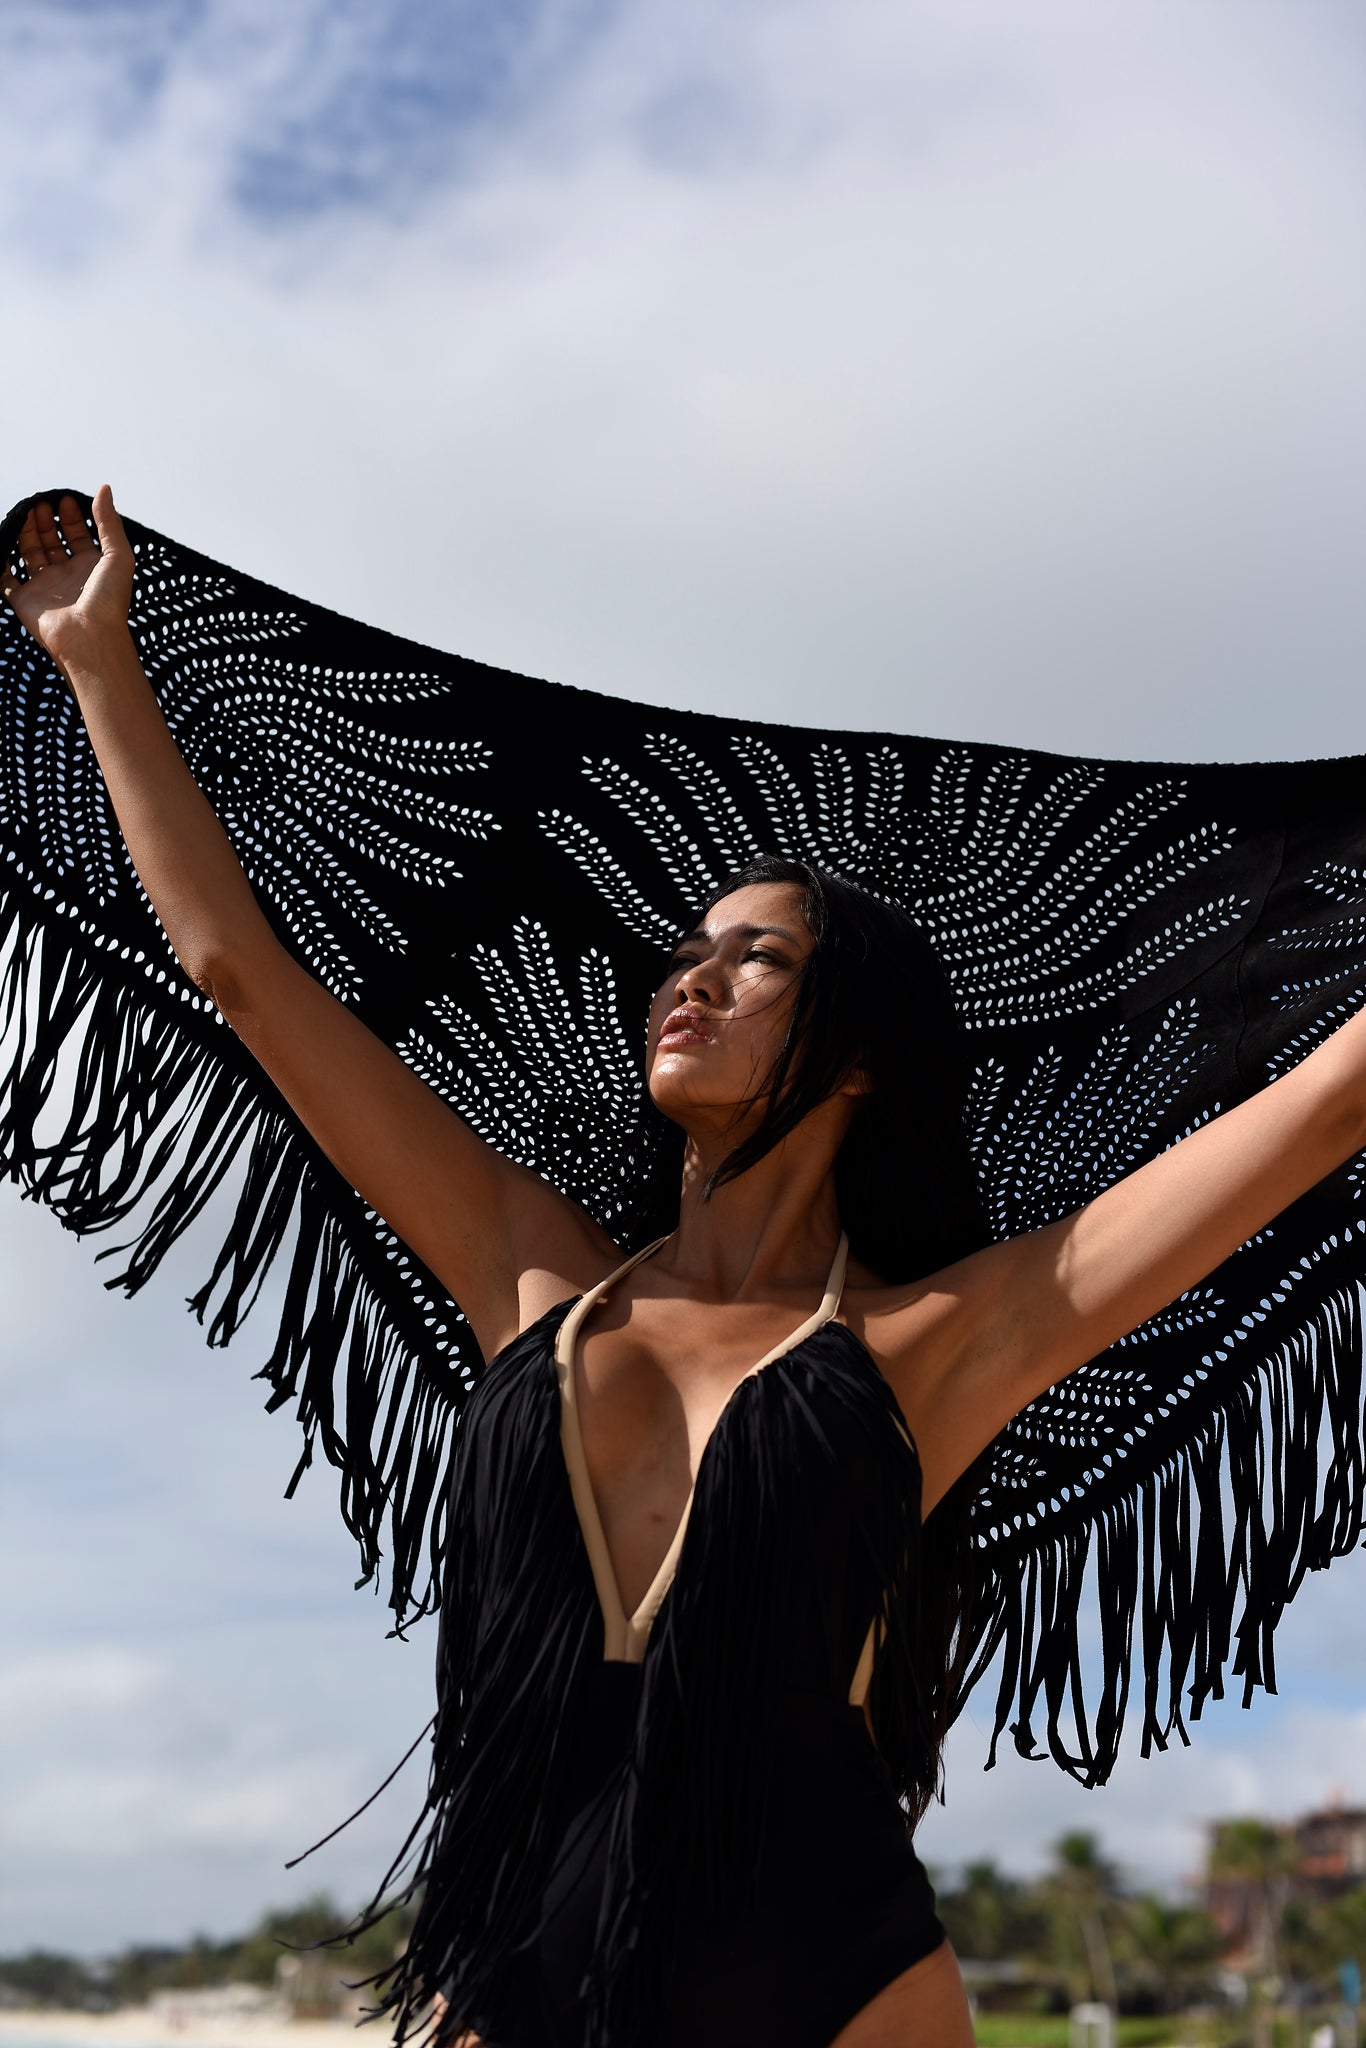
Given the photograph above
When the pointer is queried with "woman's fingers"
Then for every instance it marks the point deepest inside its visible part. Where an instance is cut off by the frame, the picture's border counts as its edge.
(75, 532)
(42, 543)
(32, 550)
(49, 539)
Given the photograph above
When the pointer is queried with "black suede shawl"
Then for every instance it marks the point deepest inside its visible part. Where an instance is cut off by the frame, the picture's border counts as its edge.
(462, 854)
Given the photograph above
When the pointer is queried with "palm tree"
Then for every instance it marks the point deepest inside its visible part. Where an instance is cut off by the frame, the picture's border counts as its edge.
(989, 1916)
(1261, 1858)
(1080, 1893)
(1176, 1948)
(1318, 1939)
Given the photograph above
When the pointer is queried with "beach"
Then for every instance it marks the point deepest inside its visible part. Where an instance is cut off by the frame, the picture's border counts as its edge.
(142, 2026)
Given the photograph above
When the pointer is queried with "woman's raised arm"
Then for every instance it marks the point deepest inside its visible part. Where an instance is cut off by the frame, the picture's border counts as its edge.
(1020, 1315)
(504, 1242)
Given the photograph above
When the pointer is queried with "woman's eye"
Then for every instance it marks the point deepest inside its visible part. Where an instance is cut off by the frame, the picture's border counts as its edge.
(677, 960)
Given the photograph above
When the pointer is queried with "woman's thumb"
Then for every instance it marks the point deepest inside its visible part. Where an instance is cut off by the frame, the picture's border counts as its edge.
(108, 525)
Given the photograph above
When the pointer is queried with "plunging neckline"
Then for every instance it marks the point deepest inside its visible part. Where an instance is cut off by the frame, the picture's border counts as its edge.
(626, 1635)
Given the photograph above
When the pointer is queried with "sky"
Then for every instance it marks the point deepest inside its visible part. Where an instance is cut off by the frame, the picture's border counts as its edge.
(956, 369)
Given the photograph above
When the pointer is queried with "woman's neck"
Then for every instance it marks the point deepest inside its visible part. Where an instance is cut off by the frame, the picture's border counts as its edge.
(774, 1227)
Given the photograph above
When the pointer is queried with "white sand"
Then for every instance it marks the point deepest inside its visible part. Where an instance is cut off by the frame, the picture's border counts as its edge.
(139, 2023)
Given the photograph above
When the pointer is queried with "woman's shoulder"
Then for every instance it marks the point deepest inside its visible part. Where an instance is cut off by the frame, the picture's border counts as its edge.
(575, 1265)
(908, 1327)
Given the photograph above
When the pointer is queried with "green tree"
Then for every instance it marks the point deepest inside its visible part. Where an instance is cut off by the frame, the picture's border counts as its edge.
(1172, 1949)
(1262, 1857)
(339, 1963)
(1317, 1938)
(135, 1973)
(42, 1977)
(279, 1933)
(1346, 1928)
(1080, 1897)
(1304, 1947)
(989, 1916)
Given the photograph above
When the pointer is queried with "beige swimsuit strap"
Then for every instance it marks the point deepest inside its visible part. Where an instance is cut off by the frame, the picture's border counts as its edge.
(625, 1635)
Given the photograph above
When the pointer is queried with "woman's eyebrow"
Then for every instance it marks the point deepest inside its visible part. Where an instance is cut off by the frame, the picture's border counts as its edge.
(739, 931)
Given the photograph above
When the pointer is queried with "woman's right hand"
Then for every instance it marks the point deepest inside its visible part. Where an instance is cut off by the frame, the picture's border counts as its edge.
(72, 603)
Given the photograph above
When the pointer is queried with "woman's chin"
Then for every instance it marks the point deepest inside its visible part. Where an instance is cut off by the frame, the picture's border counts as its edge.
(695, 1103)
(671, 1095)
(679, 1092)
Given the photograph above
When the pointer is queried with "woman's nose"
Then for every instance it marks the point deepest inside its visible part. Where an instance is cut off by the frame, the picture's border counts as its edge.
(698, 984)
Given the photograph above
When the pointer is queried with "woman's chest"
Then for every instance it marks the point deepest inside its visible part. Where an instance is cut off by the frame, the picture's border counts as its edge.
(650, 1394)
(778, 1517)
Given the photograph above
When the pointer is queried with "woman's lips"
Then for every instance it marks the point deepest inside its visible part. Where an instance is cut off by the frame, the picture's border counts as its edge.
(684, 1027)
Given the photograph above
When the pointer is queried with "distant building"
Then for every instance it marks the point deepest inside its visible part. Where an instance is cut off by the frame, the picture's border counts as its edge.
(1315, 1857)
(1234, 1905)
(1332, 1847)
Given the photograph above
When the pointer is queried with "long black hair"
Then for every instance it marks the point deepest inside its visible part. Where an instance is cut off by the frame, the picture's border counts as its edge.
(872, 999)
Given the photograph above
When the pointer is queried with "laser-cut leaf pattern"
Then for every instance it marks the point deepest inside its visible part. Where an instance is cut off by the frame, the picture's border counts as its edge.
(1024, 915)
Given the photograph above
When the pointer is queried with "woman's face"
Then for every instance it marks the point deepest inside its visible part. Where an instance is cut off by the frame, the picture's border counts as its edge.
(721, 1013)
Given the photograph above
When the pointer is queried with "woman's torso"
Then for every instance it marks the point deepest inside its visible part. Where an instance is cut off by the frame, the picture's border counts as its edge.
(731, 1650)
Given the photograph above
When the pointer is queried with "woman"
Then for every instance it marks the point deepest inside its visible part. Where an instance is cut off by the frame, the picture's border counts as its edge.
(887, 1389)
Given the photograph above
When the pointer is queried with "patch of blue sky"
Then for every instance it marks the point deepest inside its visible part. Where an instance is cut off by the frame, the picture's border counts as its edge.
(294, 115)
(384, 100)
(126, 49)
(117, 19)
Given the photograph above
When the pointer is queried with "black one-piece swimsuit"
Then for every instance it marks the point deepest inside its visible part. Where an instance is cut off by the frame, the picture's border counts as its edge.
(841, 1905)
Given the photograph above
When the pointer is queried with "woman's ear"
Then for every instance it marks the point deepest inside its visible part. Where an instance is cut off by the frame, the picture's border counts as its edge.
(856, 1083)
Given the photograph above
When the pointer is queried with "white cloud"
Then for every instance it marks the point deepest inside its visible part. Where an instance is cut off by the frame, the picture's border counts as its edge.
(1003, 385)
(95, 1810)
(38, 1693)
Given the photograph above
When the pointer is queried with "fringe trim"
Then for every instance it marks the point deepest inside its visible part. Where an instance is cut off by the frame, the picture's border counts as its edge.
(147, 1094)
(1193, 1565)
(521, 1632)
(519, 1628)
